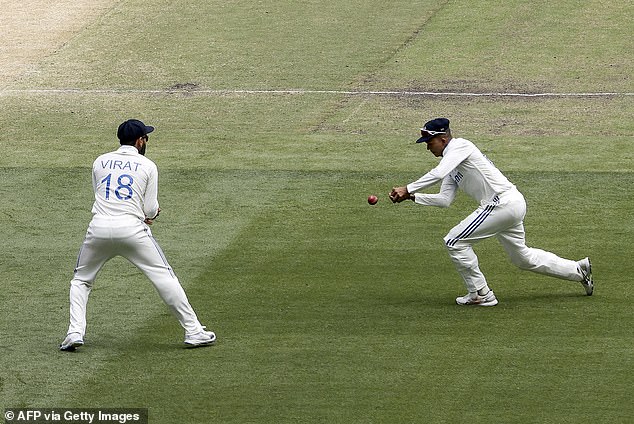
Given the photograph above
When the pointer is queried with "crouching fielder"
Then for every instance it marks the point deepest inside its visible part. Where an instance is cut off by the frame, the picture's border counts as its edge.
(125, 183)
(500, 214)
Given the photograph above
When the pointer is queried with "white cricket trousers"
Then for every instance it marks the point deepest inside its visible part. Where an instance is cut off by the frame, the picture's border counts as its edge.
(132, 239)
(502, 217)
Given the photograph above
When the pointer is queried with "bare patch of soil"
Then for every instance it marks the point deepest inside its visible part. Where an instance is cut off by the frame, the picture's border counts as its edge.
(185, 86)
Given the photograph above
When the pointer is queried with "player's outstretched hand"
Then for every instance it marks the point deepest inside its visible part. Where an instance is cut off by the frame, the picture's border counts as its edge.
(399, 194)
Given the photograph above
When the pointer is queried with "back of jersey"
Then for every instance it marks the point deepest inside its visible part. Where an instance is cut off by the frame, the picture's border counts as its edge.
(125, 184)
(480, 178)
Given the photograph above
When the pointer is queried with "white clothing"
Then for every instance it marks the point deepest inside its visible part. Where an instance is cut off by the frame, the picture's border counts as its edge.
(125, 183)
(500, 213)
(462, 166)
(126, 190)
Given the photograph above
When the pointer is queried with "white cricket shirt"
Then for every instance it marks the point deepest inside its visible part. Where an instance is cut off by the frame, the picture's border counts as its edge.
(462, 166)
(125, 184)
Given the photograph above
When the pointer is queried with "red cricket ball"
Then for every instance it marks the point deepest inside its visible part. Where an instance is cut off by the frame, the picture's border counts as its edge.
(372, 199)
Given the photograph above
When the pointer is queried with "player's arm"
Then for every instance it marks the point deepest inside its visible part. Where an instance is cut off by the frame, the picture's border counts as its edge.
(150, 201)
(400, 194)
(444, 198)
(452, 158)
(94, 177)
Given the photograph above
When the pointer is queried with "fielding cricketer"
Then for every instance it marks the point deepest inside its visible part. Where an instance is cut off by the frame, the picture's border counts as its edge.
(500, 213)
(125, 183)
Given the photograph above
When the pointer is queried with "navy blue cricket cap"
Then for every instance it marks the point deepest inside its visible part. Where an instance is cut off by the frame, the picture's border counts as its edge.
(433, 128)
(132, 129)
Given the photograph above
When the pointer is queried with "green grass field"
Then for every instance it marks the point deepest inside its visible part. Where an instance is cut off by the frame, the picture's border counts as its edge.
(327, 310)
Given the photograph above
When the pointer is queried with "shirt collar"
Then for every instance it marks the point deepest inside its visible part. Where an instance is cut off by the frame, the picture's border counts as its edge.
(127, 149)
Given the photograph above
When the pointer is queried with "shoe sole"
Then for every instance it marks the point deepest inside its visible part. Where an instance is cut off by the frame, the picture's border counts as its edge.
(589, 288)
(489, 303)
(588, 282)
(71, 347)
(478, 304)
(202, 344)
(482, 302)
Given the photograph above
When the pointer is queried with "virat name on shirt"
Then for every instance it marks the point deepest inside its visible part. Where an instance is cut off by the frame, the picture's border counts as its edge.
(119, 164)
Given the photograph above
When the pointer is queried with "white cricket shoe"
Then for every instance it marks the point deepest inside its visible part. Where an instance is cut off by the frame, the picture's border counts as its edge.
(586, 271)
(71, 342)
(469, 299)
(202, 338)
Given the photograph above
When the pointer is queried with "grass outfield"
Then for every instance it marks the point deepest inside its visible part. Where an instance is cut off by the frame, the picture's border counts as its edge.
(326, 309)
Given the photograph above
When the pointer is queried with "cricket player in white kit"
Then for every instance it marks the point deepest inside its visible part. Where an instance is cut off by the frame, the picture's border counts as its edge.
(500, 213)
(125, 183)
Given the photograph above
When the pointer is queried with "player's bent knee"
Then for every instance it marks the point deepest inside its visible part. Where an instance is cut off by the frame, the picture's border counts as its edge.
(77, 282)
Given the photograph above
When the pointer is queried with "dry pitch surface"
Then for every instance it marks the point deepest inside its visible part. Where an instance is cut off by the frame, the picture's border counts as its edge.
(35, 29)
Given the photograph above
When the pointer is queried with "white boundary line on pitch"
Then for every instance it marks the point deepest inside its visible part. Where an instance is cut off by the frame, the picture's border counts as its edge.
(299, 91)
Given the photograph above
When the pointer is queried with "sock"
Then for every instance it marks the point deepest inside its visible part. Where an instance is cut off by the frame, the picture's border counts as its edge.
(484, 291)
